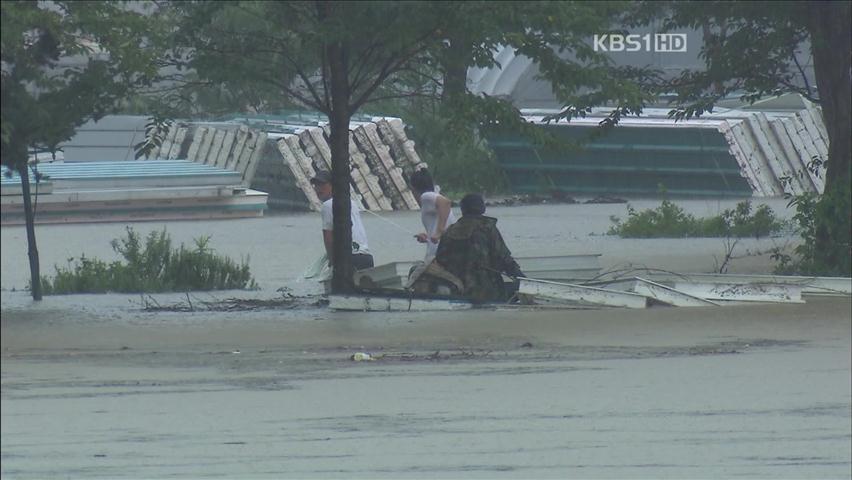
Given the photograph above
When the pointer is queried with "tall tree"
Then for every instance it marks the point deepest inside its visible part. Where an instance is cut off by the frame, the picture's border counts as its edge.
(64, 63)
(331, 56)
(754, 49)
(556, 35)
(336, 57)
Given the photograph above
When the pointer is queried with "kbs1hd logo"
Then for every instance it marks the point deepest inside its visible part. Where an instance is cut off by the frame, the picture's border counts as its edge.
(655, 43)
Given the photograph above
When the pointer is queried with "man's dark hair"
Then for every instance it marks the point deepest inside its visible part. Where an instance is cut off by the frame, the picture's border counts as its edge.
(422, 181)
(322, 176)
(472, 204)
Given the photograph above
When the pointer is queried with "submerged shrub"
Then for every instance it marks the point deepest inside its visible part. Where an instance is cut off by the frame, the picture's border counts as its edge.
(833, 255)
(670, 221)
(152, 267)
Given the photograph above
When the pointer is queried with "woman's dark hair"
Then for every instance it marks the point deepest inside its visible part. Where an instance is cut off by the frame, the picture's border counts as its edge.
(472, 204)
(421, 180)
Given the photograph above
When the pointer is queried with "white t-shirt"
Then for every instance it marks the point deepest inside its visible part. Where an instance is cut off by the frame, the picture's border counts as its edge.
(429, 216)
(359, 235)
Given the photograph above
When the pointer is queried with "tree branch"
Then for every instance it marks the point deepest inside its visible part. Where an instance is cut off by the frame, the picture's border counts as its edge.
(390, 66)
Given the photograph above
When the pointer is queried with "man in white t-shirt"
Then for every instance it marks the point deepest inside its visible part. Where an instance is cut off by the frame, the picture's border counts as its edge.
(361, 256)
(435, 211)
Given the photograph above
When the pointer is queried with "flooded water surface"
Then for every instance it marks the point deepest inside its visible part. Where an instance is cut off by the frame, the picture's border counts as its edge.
(95, 386)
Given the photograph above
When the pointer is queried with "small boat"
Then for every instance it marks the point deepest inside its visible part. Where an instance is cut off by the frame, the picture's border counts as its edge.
(571, 268)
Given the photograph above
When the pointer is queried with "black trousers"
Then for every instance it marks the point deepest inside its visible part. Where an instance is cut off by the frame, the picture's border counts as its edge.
(360, 261)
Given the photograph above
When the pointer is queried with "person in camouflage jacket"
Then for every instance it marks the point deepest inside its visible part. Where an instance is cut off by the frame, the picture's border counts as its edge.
(473, 250)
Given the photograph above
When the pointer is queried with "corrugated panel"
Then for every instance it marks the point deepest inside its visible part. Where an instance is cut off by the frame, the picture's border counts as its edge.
(109, 139)
(628, 160)
(729, 153)
(154, 173)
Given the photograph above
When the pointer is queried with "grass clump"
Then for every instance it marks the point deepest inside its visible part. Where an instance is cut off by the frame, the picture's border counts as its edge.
(670, 221)
(152, 267)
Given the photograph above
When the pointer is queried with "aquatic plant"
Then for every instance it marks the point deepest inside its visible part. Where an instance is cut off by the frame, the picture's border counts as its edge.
(670, 221)
(152, 267)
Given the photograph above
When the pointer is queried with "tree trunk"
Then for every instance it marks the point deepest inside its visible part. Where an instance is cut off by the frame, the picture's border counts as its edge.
(32, 250)
(831, 44)
(831, 37)
(341, 281)
(456, 61)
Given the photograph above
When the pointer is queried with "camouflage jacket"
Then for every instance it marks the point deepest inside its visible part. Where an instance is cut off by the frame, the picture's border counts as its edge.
(473, 250)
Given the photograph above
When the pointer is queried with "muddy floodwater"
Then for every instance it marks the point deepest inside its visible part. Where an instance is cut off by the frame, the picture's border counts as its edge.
(95, 386)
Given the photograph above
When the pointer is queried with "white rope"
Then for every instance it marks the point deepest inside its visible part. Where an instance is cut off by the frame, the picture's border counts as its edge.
(392, 223)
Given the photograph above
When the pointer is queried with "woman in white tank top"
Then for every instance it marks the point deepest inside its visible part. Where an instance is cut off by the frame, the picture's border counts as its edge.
(435, 211)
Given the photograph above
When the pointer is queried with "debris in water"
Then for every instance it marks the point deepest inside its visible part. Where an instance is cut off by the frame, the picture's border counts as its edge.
(361, 357)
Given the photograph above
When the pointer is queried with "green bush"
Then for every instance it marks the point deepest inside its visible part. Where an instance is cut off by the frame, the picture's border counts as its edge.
(152, 267)
(670, 221)
(831, 213)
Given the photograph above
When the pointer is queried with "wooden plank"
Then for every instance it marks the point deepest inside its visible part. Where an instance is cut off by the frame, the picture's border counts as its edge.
(765, 151)
(807, 137)
(742, 292)
(317, 148)
(802, 140)
(371, 182)
(227, 145)
(763, 174)
(742, 159)
(152, 173)
(156, 167)
(206, 144)
(366, 303)
(357, 177)
(562, 268)
(256, 151)
(668, 295)
(197, 140)
(45, 187)
(241, 137)
(180, 138)
(168, 141)
(245, 155)
(394, 172)
(838, 285)
(251, 205)
(398, 130)
(311, 150)
(394, 145)
(215, 146)
(802, 153)
(374, 163)
(816, 113)
(147, 199)
(813, 133)
(560, 262)
(162, 195)
(397, 145)
(293, 141)
(792, 156)
(302, 181)
(578, 293)
(788, 166)
(323, 150)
